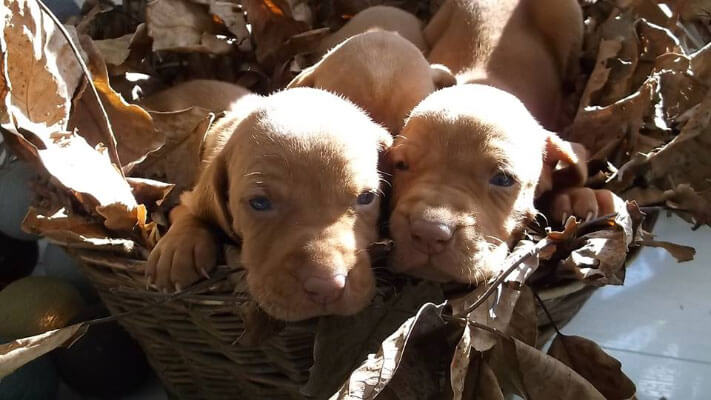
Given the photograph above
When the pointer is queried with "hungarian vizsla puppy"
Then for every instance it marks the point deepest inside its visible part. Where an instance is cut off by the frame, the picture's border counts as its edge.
(383, 18)
(379, 71)
(213, 95)
(294, 178)
(468, 165)
(527, 47)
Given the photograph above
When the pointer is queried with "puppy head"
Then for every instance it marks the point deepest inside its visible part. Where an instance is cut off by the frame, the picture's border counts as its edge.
(379, 71)
(301, 188)
(466, 168)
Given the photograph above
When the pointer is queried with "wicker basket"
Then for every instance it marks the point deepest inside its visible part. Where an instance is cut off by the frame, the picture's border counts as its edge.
(192, 342)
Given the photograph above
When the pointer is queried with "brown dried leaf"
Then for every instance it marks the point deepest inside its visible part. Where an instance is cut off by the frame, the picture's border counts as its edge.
(272, 25)
(114, 51)
(537, 376)
(17, 353)
(232, 16)
(131, 125)
(684, 198)
(681, 253)
(178, 161)
(41, 71)
(180, 25)
(72, 230)
(598, 260)
(594, 364)
(481, 382)
(149, 192)
(342, 343)
(369, 380)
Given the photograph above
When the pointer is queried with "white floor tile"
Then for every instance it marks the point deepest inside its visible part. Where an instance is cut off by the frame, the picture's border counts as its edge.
(659, 322)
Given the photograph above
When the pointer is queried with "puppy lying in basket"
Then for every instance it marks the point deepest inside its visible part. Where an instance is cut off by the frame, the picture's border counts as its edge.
(294, 177)
(379, 71)
(472, 158)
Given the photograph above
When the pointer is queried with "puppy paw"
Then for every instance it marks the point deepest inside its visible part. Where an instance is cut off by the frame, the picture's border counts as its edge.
(184, 255)
(581, 202)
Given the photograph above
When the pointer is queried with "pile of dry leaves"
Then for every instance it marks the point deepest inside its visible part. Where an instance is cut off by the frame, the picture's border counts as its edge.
(110, 171)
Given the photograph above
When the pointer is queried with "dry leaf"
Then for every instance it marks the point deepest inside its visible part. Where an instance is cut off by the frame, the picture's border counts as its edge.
(114, 51)
(17, 353)
(594, 364)
(272, 24)
(681, 253)
(178, 161)
(149, 192)
(342, 343)
(180, 25)
(131, 125)
(68, 229)
(481, 382)
(524, 369)
(369, 380)
(232, 16)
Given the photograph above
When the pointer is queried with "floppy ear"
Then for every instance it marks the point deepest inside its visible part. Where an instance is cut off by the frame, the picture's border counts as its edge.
(306, 78)
(442, 77)
(564, 164)
(209, 198)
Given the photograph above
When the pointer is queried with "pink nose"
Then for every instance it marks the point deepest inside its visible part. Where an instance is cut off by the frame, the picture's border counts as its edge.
(430, 237)
(324, 289)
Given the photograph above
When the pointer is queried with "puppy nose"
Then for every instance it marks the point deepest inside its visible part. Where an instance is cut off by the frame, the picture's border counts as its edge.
(430, 237)
(324, 290)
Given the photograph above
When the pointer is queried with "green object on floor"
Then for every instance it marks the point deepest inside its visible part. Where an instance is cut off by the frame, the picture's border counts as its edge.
(36, 304)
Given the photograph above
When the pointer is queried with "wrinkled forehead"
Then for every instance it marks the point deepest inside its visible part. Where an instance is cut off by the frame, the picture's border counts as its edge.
(318, 163)
(462, 139)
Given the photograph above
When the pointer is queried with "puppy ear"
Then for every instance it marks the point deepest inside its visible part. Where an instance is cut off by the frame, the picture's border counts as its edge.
(564, 164)
(442, 77)
(306, 78)
(209, 198)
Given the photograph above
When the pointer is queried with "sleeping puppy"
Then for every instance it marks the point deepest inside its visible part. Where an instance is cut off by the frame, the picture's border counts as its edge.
(294, 177)
(468, 165)
(384, 18)
(379, 71)
(526, 47)
(212, 95)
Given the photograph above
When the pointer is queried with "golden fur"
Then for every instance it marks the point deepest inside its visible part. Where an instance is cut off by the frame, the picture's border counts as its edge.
(311, 154)
(453, 145)
(215, 96)
(379, 71)
(526, 47)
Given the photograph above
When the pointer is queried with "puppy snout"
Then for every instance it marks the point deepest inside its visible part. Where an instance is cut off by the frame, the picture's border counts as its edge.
(324, 289)
(430, 237)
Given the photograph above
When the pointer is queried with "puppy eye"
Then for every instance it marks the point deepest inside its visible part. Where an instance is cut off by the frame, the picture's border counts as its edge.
(260, 203)
(402, 166)
(365, 198)
(502, 179)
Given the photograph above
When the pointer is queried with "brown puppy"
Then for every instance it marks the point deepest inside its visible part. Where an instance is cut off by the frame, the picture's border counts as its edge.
(294, 177)
(384, 18)
(467, 165)
(215, 96)
(526, 47)
(379, 71)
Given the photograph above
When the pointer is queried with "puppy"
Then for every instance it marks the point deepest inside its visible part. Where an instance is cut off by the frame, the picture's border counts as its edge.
(215, 96)
(294, 177)
(383, 18)
(379, 71)
(467, 168)
(527, 47)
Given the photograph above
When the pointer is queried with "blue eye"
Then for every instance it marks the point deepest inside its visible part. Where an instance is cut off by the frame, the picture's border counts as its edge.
(365, 198)
(502, 179)
(260, 203)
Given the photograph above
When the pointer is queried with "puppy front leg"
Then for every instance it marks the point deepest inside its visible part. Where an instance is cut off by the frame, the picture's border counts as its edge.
(187, 252)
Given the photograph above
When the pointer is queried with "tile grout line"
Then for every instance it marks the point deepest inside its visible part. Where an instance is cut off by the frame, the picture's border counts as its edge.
(644, 353)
